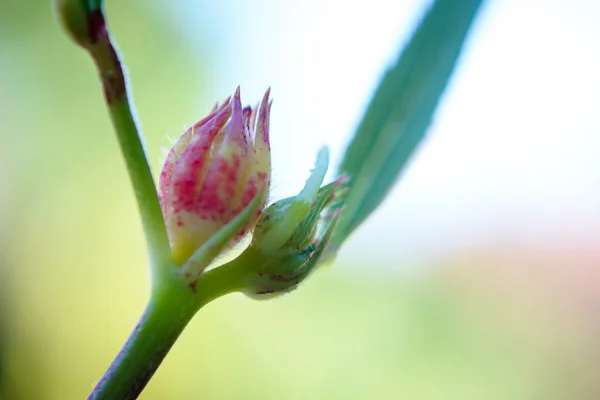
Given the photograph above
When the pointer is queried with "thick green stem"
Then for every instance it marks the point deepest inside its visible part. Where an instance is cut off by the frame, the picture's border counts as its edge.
(166, 315)
(172, 305)
(115, 90)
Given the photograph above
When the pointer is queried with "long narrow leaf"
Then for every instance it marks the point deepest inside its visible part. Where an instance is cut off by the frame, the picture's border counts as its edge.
(401, 109)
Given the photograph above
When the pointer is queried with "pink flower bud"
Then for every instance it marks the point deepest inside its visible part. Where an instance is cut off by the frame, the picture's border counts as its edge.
(213, 172)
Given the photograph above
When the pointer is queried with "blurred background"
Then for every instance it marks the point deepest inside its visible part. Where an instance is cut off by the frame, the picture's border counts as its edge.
(477, 279)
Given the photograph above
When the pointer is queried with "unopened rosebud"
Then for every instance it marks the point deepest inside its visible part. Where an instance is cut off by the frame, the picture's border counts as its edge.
(215, 169)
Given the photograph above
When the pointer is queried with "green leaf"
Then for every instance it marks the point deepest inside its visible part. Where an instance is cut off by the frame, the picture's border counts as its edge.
(401, 110)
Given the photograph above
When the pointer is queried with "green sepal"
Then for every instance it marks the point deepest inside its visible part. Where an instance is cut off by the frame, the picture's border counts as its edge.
(273, 273)
(308, 228)
(280, 220)
(271, 276)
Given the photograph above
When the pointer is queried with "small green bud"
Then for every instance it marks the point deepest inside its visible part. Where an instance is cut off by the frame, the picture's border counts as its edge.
(275, 276)
(292, 235)
(80, 19)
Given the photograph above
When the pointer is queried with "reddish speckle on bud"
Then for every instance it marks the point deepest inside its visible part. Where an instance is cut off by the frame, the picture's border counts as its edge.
(213, 172)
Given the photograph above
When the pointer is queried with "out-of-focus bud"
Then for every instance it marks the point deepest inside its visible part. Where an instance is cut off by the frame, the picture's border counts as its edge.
(292, 236)
(215, 169)
(78, 18)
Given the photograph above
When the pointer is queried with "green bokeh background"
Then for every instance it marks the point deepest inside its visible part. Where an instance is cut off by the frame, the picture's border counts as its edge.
(73, 276)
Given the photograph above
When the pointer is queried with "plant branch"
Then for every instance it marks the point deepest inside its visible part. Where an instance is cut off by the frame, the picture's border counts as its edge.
(164, 319)
(172, 305)
(114, 85)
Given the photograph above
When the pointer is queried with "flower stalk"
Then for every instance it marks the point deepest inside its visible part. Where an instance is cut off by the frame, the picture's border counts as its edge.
(84, 21)
(165, 317)
(172, 305)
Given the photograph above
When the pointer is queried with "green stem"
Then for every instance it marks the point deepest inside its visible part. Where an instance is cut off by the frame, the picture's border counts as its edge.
(165, 317)
(114, 84)
(172, 305)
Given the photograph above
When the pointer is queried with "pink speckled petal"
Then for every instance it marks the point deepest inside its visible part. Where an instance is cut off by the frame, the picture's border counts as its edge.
(262, 149)
(166, 174)
(247, 111)
(165, 185)
(235, 131)
(229, 166)
(261, 138)
(190, 169)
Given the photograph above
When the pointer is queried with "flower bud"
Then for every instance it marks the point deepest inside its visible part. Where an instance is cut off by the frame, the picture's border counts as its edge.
(292, 236)
(213, 172)
(79, 18)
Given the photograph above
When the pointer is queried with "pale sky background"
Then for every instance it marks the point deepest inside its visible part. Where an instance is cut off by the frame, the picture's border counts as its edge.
(512, 155)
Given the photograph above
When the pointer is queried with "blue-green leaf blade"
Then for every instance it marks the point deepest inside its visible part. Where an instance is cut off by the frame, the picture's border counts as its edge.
(401, 109)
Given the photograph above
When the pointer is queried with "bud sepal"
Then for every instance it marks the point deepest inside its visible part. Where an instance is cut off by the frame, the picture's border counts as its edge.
(292, 236)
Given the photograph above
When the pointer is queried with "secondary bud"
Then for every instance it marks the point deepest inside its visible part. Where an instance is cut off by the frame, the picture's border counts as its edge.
(80, 19)
(292, 236)
(213, 172)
